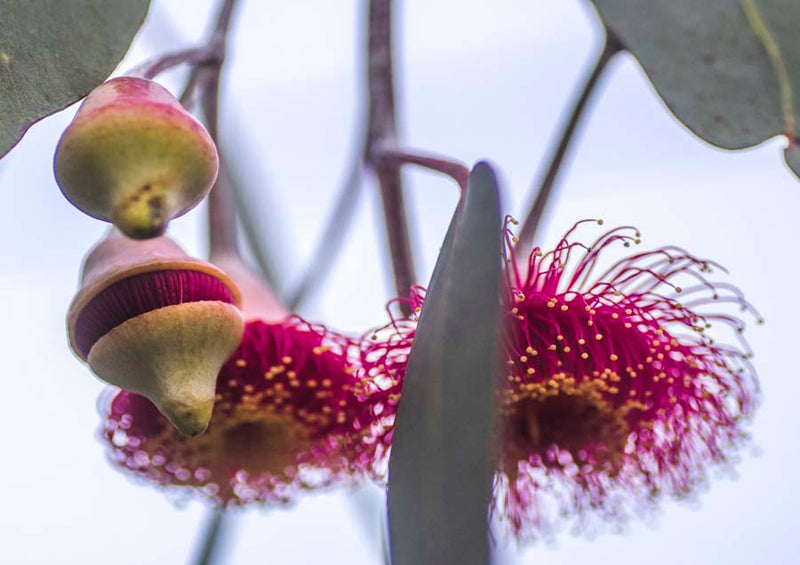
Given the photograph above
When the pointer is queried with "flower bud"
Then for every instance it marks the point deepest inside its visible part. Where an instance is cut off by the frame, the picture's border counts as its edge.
(134, 157)
(151, 320)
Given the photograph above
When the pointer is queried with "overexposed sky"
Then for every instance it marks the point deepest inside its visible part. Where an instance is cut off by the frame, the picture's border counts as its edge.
(478, 80)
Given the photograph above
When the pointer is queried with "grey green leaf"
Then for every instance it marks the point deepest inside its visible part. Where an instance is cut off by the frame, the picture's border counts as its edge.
(53, 52)
(441, 467)
(728, 69)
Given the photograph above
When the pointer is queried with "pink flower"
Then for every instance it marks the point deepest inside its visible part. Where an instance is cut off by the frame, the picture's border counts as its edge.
(288, 416)
(612, 393)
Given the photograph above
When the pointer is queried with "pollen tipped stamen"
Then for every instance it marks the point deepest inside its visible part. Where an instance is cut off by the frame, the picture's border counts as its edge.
(673, 399)
(290, 414)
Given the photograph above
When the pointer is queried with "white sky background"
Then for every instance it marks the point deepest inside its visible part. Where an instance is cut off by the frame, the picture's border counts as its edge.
(477, 80)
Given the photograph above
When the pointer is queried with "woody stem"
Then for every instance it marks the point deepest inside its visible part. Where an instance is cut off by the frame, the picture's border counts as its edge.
(544, 190)
(382, 132)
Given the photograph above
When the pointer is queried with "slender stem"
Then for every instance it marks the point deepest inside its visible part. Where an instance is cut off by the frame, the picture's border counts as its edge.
(212, 53)
(193, 55)
(545, 187)
(398, 156)
(223, 239)
(221, 203)
(213, 532)
(342, 214)
(222, 236)
(250, 218)
(332, 236)
(382, 131)
(187, 96)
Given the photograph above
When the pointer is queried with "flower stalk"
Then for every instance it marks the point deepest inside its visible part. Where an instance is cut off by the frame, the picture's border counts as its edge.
(382, 133)
(544, 190)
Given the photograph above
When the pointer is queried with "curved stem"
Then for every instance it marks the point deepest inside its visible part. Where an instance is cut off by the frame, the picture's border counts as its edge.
(396, 156)
(212, 53)
(187, 97)
(223, 239)
(221, 203)
(249, 220)
(382, 131)
(345, 206)
(193, 55)
(545, 188)
(211, 535)
(332, 236)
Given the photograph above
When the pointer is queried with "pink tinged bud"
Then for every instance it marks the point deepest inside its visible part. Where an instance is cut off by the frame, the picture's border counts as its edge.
(289, 416)
(133, 156)
(152, 320)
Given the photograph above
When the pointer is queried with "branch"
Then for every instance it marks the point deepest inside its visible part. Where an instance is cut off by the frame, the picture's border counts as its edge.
(342, 214)
(527, 233)
(333, 235)
(395, 156)
(249, 220)
(212, 53)
(382, 131)
(193, 55)
(221, 203)
(212, 534)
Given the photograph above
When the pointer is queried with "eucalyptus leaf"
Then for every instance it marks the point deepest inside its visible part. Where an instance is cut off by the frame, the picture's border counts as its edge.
(53, 52)
(728, 69)
(442, 463)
